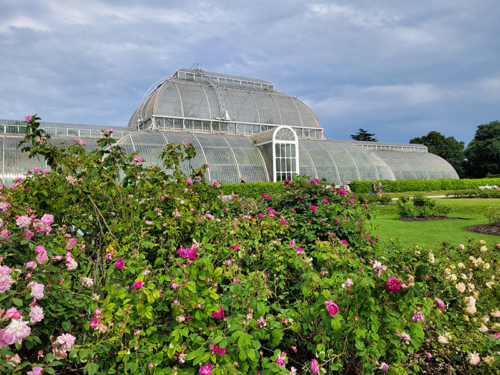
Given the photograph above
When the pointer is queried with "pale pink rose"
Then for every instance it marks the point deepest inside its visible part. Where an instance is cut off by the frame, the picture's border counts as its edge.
(36, 371)
(19, 330)
(37, 290)
(23, 221)
(36, 314)
(12, 313)
(31, 265)
(66, 341)
(47, 219)
(72, 265)
(5, 282)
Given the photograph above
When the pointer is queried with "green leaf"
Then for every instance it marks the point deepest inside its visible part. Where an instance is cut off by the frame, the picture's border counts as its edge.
(66, 325)
(17, 301)
(360, 345)
(235, 335)
(91, 368)
(191, 355)
(336, 324)
(276, 336)
(256, 344)
(251, 354)
(217, 340)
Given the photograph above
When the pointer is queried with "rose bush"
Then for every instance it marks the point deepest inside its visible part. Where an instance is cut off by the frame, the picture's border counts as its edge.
(112, 266)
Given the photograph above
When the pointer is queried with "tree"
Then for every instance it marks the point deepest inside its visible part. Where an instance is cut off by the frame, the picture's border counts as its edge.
(483, 152)
(363, 135)
(448, 148)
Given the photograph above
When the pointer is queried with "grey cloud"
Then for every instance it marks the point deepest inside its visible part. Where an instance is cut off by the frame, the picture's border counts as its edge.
(399, 69)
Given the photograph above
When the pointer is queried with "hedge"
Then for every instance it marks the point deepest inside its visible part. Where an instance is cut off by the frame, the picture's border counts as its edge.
(424, 185)
(253, 189)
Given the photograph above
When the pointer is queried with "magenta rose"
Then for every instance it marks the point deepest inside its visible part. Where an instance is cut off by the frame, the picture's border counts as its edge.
(393, 284)
(119, 263)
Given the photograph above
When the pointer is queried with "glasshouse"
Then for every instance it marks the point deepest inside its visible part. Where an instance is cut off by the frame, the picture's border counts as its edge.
(242, 128)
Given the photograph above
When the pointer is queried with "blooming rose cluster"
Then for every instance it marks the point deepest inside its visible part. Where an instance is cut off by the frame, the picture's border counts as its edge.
(215, 349)
(471, 305)
(41, 254)
(187, 253)
(6, 280)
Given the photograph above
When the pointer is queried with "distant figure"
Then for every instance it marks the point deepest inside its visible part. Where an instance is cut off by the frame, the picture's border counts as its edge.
(374, 187)
(380, 191)
(242, 181)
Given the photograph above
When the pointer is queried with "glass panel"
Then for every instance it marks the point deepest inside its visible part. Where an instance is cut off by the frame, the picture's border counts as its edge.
(178, 125)
(287, 150)
(278, 164)
(61, 132)
(288, 164)
(206, 127)
(231, 128)
(85, 133)
(282, 150)
(215, 126)
(256, 129)
(197, 126)
(12, 129)
(72, 132)
(283, 165)
(294, 165)
(277, 146)
(292, 147)
(52, 131)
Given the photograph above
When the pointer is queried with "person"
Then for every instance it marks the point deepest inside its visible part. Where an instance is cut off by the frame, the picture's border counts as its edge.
(374, 189)
(242, 181)
(380, 191)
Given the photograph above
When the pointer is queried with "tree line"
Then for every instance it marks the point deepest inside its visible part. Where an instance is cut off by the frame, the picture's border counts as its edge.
(479, 159)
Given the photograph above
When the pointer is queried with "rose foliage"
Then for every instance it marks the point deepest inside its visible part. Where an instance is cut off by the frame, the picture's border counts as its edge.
(113, 266)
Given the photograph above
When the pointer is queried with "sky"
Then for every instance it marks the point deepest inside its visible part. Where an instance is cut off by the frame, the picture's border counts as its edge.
(398, 69)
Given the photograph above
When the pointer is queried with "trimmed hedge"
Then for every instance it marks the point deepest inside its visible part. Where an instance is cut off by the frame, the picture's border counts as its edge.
(424, 185)
(253, 189)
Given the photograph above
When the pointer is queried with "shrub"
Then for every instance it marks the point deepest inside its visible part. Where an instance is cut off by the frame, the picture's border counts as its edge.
(421, 206)
(253, 189)
(493, 215)
(385, 199)
(424, 185)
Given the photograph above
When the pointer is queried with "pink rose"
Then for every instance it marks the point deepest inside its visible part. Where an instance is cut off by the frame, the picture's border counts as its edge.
(119, 263)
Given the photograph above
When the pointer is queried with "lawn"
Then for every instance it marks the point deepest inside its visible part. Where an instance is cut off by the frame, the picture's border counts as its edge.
(433, 233)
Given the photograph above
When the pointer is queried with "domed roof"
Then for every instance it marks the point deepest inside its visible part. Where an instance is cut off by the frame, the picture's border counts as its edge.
(198, 95)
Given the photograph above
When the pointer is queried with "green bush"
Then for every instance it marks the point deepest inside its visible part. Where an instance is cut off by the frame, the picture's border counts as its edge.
(253, 189)
(421, 206)
(385, 199)
(424, 185)
(493, 214)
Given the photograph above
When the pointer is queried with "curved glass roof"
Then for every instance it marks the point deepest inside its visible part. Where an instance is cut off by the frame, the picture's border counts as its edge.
(340, 162)
(229, 157)
(181, 98)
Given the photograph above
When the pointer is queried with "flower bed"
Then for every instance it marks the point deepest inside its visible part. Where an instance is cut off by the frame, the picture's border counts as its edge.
(145, 271)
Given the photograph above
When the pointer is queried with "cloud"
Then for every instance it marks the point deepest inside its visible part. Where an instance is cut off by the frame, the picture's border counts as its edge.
(399, 69)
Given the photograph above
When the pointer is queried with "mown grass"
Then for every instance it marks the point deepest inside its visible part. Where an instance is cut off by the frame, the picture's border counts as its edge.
(430, 234)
